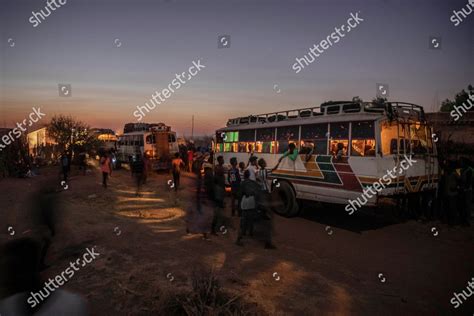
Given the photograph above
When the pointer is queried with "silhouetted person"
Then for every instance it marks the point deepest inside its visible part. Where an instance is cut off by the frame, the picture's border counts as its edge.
(176, 165)
(234, 181)
(137, 167)
(44, 213)
(263, 206)
(465, 191)
(199, 216)
(83, 163)
(106, 168)
(65, 165)
(248, 199)
(219, 193)
(450, 193)
(20, 284)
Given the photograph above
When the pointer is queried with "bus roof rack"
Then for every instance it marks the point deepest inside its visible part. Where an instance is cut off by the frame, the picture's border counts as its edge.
(392, 109)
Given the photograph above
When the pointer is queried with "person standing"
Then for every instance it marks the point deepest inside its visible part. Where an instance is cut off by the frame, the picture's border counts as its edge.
(252, 168)
(105, 167)
(137, 167)
(263, 207)
(219, 193)
(65, 165)
(199, 216)
(83, 162)
(241, 170)
(465, 191)
(248, 199)
(190, 159)
(451, 192)
(146, 167)
(234, 180)
(176, 165)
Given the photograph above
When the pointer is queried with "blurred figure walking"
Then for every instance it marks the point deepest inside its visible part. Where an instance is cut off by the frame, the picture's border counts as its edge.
(199, 216)
(83, 162)
(106, 168)
(65, 165)
(146, 167)
(137, 166)
(190, 154)
(176, 165)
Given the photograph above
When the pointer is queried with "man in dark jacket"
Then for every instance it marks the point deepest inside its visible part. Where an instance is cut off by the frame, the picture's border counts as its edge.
(137, 166)
(248, 200)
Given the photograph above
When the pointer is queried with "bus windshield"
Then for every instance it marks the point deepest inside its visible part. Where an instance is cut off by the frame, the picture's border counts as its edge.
(412, 138)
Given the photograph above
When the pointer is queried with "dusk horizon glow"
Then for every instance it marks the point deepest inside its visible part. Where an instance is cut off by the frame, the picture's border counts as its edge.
(116, 54)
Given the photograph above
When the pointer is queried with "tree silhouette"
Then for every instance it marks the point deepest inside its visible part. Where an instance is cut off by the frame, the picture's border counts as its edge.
(460, 98)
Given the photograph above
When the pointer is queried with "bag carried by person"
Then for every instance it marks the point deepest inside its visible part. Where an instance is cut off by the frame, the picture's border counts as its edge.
(248, 202)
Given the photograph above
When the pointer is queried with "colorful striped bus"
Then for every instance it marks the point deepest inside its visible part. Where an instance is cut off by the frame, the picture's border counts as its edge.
(344, 147)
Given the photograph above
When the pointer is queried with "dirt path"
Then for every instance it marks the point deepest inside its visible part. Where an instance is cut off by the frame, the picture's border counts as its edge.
(327, 263)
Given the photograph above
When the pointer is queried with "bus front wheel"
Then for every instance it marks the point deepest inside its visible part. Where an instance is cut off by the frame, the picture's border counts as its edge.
(287, 204)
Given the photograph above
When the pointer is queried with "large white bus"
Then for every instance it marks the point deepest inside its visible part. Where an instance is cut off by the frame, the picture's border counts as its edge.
(376, 137)
(157, 141)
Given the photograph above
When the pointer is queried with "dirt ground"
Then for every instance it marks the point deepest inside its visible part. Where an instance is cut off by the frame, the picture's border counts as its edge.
(326, 262)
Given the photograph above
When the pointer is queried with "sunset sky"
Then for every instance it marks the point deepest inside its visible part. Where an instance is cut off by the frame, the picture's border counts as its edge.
(159, 38)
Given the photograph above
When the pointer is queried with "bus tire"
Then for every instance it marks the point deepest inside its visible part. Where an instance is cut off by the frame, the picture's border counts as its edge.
(290, 206)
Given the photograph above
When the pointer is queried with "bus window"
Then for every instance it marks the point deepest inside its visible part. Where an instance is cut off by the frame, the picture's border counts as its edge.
(314, 139)
(246, 140)
(418, 139)
(150, 139)
(339, 134)
(265, 140)
(363, 139)
(388, 137)
(404, 135)
(403, 144)
(230, 147)
(171, 138)
(285, 136)
(245, 147)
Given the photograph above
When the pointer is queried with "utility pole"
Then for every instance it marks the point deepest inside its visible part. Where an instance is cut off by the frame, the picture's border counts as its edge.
(192, 129)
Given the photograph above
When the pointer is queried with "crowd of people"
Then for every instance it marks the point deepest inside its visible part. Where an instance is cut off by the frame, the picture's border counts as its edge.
(250, 193)
(249, 197)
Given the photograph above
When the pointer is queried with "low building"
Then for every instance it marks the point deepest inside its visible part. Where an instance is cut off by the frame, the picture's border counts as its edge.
(40, 144)
(447, 129)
